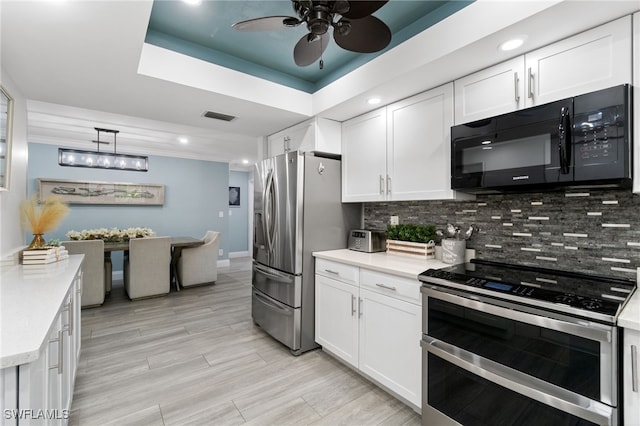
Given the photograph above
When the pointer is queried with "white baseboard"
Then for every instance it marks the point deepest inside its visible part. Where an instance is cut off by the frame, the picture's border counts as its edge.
(233, 255)
(222, 263)
(117, 275)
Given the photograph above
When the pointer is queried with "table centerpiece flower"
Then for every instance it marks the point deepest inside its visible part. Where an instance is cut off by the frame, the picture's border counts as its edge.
(110, 235)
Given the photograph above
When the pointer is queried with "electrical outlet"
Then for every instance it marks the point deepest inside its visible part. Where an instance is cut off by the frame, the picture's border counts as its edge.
(220, 214)
(220, 252)
(394, 220)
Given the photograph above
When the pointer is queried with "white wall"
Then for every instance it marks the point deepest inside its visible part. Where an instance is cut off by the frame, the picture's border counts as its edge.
(11, 234)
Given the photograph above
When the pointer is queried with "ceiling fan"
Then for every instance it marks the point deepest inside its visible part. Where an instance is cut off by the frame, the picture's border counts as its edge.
(354, 28)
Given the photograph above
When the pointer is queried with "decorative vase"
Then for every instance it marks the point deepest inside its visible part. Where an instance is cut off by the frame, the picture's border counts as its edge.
(37, 242)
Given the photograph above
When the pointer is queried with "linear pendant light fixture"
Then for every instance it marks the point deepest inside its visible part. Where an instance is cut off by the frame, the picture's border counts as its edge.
(103, 160)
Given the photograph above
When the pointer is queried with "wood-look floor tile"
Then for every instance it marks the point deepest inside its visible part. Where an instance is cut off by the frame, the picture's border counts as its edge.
(195, 357)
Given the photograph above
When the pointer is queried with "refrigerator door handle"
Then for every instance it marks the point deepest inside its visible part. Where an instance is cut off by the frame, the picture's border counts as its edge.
(268, 212)
(273, 274)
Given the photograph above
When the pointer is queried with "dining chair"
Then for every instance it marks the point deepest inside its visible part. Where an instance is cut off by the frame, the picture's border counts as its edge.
(147, 266)
(199, 265)
(93, 270)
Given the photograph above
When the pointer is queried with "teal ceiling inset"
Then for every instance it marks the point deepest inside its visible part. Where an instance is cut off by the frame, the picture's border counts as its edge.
(205, 32)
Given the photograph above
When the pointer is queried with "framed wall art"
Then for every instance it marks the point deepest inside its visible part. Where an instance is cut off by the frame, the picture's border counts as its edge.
(88, 192)
(234, 196)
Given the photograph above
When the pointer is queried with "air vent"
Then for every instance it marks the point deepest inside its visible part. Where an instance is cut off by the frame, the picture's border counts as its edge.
(218, 116)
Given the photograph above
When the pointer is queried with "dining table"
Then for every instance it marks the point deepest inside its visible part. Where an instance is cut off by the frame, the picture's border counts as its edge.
(177, 244)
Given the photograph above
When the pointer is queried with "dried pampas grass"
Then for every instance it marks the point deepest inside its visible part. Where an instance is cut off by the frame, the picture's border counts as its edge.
(43, 217)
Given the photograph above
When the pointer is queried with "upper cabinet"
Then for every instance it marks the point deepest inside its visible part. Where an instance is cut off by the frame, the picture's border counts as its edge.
(400, 152)
(589, 61)
(317, 134)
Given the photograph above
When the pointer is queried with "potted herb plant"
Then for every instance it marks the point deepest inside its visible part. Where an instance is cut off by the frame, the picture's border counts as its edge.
(412, 240)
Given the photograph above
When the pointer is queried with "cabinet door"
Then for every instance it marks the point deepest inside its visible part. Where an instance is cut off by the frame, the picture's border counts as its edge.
(631, 376)
(298, 137)
(364, 158)
(419, 146)
(492, 91)
(592, 60)
(276, 143)
(390, 333)
(336, 318)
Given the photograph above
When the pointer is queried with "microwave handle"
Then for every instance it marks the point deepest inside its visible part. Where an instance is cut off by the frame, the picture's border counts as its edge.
(564, 140)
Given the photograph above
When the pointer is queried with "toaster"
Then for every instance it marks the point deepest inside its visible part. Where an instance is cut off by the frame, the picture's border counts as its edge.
(367, 241)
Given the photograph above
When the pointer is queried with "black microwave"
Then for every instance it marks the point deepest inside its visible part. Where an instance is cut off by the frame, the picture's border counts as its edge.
(581, 141)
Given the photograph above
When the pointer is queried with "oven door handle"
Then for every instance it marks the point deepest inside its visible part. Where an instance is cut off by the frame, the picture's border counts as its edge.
(583, 328)
(531, 387)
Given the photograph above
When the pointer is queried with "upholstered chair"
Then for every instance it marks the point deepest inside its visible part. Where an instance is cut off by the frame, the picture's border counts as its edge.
(147, 266)
(93, 270)
(199, 265)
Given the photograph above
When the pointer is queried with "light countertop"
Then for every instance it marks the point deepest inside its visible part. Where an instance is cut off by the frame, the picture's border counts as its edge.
(382, 261)
(630, 316)
(30, 298)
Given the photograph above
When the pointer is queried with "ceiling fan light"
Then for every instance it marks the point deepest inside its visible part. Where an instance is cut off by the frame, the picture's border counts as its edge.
(291, 22)
(343, 27)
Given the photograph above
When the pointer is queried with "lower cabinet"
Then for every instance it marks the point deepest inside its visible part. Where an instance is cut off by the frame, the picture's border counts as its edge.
(373, 325)
(631, 377)
(45, 386)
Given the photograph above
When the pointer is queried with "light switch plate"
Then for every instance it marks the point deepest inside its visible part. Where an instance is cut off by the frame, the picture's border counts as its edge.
(220, 213)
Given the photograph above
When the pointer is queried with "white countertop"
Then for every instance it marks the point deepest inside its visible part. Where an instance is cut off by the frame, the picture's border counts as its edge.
(30, 298)
(630, 316)
(383, 262)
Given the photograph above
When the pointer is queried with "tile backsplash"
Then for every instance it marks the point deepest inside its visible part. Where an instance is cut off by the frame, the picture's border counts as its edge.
(591, 231)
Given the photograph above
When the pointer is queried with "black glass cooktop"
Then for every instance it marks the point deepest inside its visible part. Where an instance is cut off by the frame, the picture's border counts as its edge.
(581, 292)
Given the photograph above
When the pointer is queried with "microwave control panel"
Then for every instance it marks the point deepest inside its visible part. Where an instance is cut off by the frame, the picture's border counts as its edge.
(596, 136)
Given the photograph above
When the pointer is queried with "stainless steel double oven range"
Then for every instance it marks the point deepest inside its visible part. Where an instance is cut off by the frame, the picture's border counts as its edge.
(516, 345)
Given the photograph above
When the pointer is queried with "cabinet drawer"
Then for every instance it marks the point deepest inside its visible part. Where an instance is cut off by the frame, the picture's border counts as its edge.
(338, 271)
(391, 285)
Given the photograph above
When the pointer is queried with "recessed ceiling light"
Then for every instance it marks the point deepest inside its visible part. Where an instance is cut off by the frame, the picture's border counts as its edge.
(183, 140)
(374, 101)
(193, 2)
(511, 44)
(245, 161)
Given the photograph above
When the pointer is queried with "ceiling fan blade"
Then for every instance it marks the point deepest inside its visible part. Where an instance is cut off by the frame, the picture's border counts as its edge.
(367, 35)
(361, 8)
(267, 23)
(309, 48)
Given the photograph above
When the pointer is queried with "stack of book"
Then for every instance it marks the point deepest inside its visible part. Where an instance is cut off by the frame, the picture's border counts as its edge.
(44, 255)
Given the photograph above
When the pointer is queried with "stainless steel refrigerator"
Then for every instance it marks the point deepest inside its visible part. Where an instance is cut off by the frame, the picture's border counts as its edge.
(297, 210)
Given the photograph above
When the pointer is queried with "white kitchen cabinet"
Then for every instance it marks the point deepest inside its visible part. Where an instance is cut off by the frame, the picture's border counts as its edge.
(373, 325)
(401, 151)
(317, 134)
(389, 340)
(364, 157)
(337, 318)
(45, 386)
(631, 377)
(492, 91)
(592, 60)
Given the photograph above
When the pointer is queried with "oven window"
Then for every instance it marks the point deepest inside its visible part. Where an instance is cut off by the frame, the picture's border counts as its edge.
(474, 401)
(491, 155)
(565, 360)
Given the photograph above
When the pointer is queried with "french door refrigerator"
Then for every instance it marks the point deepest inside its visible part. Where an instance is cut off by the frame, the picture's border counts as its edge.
(297, 210)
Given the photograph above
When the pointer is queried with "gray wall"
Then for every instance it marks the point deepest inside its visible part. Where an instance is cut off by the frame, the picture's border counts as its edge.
(593, 231)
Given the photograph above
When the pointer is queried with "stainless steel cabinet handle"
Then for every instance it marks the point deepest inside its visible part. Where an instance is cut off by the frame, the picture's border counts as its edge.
(530, 83)
(381, 184)
(332, 272)
(388, 184)
(388, 287)
(60, 352)
(359, 307)
(287, 147)
(353, 305)
(516, 80)
(634, 368)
